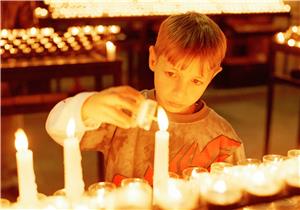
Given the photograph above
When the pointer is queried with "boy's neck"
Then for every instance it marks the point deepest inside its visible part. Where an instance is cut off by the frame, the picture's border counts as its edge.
(196, 107)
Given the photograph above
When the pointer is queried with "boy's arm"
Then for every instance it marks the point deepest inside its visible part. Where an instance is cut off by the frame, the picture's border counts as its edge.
(57, 121)
(115, 106)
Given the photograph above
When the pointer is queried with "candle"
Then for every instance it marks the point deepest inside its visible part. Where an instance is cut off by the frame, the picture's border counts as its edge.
(137, 193)
(219, 167)
(193, 172)
(178, 194)
(26, 178)
(74, 184)
(261, 182)
(110, 51)
(161, 152)
(161, 156)
(222, 193)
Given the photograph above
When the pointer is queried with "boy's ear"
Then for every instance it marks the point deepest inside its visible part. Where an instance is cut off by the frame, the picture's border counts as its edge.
(218, 70)
(152, 58)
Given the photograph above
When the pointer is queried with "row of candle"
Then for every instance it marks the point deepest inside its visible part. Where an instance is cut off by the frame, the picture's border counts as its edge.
(48, 31)
(74, 185)
(20, 44)
(225, 185)
(99, 8)
(291, 37)
(235, 186)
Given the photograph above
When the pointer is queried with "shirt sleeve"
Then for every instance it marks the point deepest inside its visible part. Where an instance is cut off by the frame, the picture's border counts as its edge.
(57, 121)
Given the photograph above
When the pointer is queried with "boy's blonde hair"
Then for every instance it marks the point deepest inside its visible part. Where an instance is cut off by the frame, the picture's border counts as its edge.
(188, 36)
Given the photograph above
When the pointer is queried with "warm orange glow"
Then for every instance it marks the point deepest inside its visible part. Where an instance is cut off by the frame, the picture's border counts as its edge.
(71, 128)
(163, 122)
(21, 142)
(109, 45)
(280, 37)
(74, 31)
(32, 31)
(100, 29)
(114, 29)
(47, 31)
(291, 42)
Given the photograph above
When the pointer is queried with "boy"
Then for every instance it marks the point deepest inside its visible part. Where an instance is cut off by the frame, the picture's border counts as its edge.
(186, 56)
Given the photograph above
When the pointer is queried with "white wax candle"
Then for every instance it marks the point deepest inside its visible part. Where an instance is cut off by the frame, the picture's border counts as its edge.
(26, 178)
(161, 152)
(110, 51)
(74, 184)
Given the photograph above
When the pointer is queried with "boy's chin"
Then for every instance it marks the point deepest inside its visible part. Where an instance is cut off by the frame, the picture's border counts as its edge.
(176, 110)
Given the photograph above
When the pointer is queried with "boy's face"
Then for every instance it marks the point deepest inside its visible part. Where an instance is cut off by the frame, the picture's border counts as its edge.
(177, 90)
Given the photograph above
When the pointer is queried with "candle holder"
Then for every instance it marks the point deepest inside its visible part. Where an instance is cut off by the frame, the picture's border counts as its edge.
(293, 153)
(262, 185)
(222, 193)
(55, 202)
(178, 194)
(5, 203)
(271, 158)
(193, 172)
(146, 113)
(218, 167)
(94, 189)
(61, 192)
(173, 175)
(251, 162)
(292, 175)
(99, 193)
(134, 193)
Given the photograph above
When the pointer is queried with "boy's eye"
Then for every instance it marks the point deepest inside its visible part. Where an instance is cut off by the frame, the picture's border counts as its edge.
(197, 82)
(170, 74)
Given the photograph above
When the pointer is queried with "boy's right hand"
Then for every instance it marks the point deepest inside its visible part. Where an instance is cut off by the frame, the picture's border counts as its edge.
(116, 106)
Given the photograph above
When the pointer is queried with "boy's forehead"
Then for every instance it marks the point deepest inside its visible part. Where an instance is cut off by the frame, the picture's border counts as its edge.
(200, 64)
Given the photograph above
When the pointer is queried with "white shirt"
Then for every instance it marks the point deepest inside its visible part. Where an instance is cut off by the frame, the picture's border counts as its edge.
(57, 121)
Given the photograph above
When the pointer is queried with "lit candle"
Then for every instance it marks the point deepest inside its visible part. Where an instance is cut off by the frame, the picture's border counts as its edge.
(261, 182)
(223, 193)
(161, 153)
(110, 51)
(74, 184)
(26, 178)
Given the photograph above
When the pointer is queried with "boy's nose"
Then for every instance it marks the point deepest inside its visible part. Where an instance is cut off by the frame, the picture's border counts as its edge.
(179, 89)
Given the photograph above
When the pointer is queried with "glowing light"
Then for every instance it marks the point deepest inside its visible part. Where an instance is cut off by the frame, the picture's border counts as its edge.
(291, 42)
(21, 142)
(220, 186)
(163, 122)
(280, 37)
(71, 128)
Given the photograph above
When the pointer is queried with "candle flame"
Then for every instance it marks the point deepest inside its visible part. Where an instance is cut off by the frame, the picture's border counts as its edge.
(220, 186)
(109, 45)
(259, 178)
(173, 189)
(71, 128)
(291, 42)
(21, 142)
(162, 117)
(280, 37)
(194, 173)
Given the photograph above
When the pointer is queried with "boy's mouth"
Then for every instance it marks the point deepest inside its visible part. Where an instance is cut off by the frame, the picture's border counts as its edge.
(175, 105)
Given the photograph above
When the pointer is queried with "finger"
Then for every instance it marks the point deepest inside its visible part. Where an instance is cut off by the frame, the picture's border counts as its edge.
(130, 92)
(116, 116)
(122, 102)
